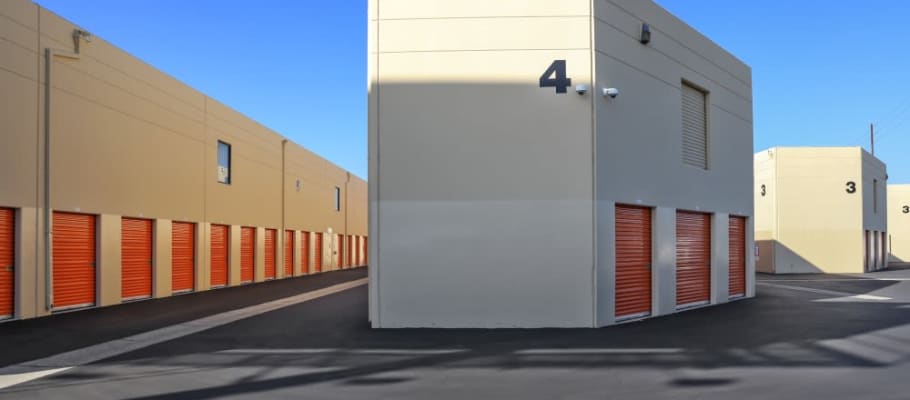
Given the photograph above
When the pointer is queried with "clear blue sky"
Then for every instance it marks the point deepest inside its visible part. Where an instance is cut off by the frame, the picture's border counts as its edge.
(822, 70)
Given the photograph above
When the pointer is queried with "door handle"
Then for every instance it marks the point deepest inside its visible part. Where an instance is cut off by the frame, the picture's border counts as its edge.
(8, 268)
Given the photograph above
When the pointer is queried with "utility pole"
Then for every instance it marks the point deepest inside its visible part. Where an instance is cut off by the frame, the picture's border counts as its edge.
(872, 137)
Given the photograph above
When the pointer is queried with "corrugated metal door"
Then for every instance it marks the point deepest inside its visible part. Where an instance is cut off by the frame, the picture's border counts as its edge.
(357, 250)
(350, 249)
(288, 253)
(633, 262)
(247, 254)
(7, 262)
(695, 127)
(693, 259)
(271, 236)
(317, 252)
(339, 240)
(183, 256)
(737, 256)
(304, 253)
(74, 260)
(366, 250)
(219, 267)
(135, 258)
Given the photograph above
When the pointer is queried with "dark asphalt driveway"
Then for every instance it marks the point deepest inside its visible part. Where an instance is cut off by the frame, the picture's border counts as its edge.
(787, 343)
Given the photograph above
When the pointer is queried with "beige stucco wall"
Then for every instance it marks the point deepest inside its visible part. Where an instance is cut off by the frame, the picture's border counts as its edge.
(491, 199)
(899, 222)
(130, 141)
(765, 209)
(815, 224)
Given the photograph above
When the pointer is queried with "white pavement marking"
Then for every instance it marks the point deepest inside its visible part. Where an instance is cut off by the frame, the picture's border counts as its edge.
(31, 370)
(598, 351)
(834, 280)
(842, 296)
(393, 352)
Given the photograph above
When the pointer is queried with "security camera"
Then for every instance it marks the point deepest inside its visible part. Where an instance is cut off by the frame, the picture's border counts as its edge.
(581, 89)
(612, 92)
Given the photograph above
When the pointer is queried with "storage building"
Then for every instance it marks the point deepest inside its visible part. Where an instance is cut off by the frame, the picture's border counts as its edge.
(538, 163)
(118, 183)
(820, 209)
(899, 223)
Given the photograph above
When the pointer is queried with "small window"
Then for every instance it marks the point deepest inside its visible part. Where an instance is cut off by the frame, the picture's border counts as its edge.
(224, 163)
(337, 198)
(875, 196)
(694, 127)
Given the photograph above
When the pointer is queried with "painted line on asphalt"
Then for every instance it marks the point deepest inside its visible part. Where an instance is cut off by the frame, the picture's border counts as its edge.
(835, 280)
(393, 352)
(598, 351)
(828, 292)
(35, 369)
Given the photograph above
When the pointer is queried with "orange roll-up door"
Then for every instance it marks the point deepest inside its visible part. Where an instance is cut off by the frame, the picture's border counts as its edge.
(219, 267)
(339, 239)
(7, 262)
(271, 236)
(737, 256)
(350, 260)
(288, 253)
(317, 252)
(135, 258)
(247, 254)
(304, 253)
(633, 262)
(357, 251)
(183, 256)
(74, 260)
(366, 250)
(693, 258)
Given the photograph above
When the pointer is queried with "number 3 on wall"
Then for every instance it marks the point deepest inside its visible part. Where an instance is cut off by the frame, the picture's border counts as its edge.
(555, 76)
(906, 209)
(851, 187)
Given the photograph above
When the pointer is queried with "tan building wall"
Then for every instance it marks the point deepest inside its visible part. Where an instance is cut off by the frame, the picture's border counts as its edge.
(899, 222)
(492, 199)
(817, 206)
(127, 140)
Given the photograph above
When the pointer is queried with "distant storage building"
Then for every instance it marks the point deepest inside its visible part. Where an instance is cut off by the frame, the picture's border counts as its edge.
(570, 163)
(820, 209)
(899, 223)
(118, 183)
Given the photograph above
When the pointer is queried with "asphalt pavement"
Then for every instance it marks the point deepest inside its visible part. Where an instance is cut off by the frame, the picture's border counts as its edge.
(803, 337)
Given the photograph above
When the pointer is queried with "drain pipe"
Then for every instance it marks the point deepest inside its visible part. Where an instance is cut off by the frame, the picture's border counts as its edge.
(51, 54)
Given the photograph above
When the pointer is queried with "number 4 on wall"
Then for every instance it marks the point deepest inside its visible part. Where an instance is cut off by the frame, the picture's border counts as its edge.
(555, 76)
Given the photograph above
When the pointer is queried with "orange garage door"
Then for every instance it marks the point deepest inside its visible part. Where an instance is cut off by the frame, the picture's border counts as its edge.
(247, 254)
(183, 256)
(135, 258)
(74, 260)
(737, 256)
(350, 248)
(304, 253)
(219, 268)
(7, 262)
(288, 253)
(633, 262)
(271, 236)
(317, 252)
(339, 239)
(357, 250)
(366, 250)
(693, 259)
